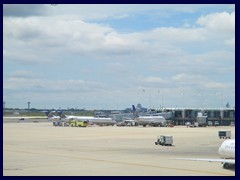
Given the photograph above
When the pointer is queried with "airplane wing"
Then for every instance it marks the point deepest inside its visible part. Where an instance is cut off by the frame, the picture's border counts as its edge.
(25, 117)
(231, 161)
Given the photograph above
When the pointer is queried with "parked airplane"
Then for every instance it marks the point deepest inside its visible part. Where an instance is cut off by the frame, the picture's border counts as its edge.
(152, 120)
(24, 117)
(89, 119)
(226, 152)
(166, 115)
(49, 116)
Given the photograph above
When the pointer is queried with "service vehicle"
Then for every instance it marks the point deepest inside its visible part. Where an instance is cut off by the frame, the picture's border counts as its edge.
(164, 140)
(201, 119)
(224, 134)
(216, 123)
(232, 123)
(77, 123)
(210, 123)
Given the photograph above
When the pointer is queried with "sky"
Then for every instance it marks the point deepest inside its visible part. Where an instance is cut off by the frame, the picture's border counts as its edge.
(112, 56)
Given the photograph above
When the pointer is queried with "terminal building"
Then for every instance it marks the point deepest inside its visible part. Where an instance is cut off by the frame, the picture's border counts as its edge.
(225, 116)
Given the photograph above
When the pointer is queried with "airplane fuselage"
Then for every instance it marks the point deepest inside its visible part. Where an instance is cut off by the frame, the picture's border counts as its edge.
(227, 149)
(92, 120)
(151, 120)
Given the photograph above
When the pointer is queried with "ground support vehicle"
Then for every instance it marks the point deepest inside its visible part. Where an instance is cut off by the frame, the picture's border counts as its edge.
(77, 123)
(164, 140)
(201, 119)
(224, 134)
(58, 123)
(216, 123)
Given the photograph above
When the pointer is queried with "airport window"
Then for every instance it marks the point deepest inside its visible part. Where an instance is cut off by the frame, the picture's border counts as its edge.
(178, 114)
(193, 114)
(226, 114)
(211, 114)
(232, 114)
(188, 113)
(216, 113)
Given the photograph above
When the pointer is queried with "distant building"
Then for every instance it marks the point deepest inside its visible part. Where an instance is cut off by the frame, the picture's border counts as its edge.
(183, 115)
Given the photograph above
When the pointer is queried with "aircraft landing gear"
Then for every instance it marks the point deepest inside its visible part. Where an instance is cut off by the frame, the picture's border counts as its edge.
(228, 166)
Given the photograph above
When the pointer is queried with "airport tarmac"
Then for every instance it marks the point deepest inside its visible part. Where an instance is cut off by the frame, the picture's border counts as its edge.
(40, 149)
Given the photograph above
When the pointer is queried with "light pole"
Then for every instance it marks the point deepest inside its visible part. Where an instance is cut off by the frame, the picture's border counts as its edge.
(150, 98)
(161, 94)
(183, 104)
(29, 106)
(222, 99)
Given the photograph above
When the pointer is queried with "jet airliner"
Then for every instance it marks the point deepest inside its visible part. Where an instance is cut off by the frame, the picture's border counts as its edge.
(89, 119)
(226, 152)
(153, 120)
(49, 116)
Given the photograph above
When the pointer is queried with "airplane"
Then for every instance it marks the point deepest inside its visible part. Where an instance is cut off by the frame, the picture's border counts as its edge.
(127, 122)
(90, 119)
(226, 152)
(152, 120)
(49, 116)
(24, 117)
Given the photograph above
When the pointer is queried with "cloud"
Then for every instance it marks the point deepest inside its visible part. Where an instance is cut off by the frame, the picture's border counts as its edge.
(199, 82)
(23, 10)
(25, 81)
(178, 35)
(61, 35)
(72, 55)
(22, 74)
(216, 85)
(153, 80)
(221, 22)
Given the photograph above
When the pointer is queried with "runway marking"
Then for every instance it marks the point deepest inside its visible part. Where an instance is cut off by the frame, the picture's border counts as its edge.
(118, 162)
(12, 169)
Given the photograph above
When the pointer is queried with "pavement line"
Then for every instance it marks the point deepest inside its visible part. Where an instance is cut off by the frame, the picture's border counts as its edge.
(117, 162)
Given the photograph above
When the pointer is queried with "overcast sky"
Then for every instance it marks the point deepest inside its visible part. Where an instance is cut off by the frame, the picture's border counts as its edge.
(113, 56)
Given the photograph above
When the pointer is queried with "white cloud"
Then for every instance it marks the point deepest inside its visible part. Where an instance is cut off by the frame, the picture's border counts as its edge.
(216, 85)
(21, 74)
(221, 22)
(69, 54)
(178, 35)
(62, 35)
(153, 80)
(19, 83)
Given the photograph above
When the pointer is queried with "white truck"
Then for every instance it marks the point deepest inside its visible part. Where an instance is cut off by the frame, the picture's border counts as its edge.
(224, 134)
(201, 119)
(164, 140)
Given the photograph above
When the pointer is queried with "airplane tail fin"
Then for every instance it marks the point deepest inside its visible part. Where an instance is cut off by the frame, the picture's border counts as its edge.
(61, 115)
(134, 109)
(48, 113)
(135, 114)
